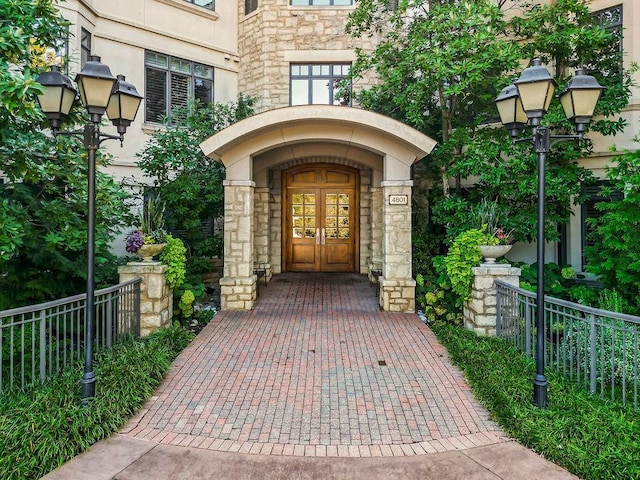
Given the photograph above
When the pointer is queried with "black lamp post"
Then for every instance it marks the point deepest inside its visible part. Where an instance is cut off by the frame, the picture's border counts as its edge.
(527, 101)
(100, 92)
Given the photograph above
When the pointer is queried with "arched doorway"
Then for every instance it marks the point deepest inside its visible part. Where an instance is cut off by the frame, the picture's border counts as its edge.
(259, 230)
(320, 211)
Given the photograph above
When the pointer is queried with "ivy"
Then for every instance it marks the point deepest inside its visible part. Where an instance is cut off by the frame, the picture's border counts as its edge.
(174, 257)
(463, 255)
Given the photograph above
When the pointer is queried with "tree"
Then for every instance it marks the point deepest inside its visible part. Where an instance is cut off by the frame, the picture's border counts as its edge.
(188, 182)
(441, 63)
(615, 257)
(43, 206)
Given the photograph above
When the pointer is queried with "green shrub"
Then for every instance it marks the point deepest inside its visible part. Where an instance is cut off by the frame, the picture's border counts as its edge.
(434, 295)
(174, 256)
(462, 256)
(46, 426)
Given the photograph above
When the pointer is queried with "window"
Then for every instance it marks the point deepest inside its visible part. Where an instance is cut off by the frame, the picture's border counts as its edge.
(210, 4)
(250, 6)
(85, 46)
(589, 210)
(611, 20)
(318, 84)
(320, 3)
(171, 81)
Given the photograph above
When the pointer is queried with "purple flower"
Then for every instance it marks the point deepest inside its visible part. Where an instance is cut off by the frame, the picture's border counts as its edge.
(134, 241)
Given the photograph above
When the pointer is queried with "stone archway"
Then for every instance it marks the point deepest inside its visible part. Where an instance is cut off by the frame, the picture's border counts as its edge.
(256, 150)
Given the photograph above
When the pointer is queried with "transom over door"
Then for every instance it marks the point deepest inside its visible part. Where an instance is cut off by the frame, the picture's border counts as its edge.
(320, 219)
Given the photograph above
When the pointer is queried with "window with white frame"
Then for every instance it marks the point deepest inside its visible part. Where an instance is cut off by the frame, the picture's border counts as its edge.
(172, 81)
(611, 57)
(210, 4)
(319, 84)
(321, 3)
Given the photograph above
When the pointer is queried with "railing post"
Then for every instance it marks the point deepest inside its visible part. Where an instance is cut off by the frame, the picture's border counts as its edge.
(43, 345)
(593, 360)
(528, 309)
(499, 310)
(110, 321)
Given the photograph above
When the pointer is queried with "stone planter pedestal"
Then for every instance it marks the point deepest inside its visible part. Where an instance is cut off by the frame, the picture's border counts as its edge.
(156, 298)
(479, 312)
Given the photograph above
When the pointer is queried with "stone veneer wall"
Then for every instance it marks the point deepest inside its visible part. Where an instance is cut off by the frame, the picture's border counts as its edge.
(156, 298)
(262, 234)
(397, 287)
(238, 286)
(275, 28)
(365, 219)
(275, 227)
(479, 313)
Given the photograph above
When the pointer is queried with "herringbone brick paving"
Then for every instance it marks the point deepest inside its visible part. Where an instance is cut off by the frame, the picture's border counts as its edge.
(316, 369)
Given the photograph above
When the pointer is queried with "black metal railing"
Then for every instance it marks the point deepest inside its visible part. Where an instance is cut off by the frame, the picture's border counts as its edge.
(597, 348)
(38, 341)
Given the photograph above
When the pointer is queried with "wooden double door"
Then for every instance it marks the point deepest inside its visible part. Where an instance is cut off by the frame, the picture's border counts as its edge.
(320, 218)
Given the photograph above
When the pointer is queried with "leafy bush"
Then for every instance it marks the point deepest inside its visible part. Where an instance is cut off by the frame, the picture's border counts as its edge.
(616, 354)
(46, 426)
(434, 295)
(590, 437)
(463, 255)
(615, 256)
(174, 256)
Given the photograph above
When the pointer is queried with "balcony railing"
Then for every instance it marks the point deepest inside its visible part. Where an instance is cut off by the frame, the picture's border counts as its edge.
(594, 347)
(40, 340)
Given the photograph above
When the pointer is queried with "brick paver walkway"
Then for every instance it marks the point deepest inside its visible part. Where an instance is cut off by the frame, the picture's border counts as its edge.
(316, 369)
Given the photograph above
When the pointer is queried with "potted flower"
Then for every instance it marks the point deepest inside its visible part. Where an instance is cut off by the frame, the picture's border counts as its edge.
(149, 240)
(497, 241)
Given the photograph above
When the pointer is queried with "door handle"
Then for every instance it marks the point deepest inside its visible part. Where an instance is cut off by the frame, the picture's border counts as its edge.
(317, 236)
(323, 237)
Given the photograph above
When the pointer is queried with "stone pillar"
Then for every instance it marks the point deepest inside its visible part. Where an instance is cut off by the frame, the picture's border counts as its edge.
(480, 311)
(397, 287)
(156, 298)
(238, 285)
(262, 235)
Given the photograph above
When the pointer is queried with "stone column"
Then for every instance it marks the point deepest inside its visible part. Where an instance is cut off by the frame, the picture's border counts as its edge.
(262, 235)
(397, 287)
(238, 285)
(480, 311)
(156, 298)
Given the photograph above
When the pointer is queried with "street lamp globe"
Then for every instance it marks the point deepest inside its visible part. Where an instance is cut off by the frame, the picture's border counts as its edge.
(579, 99)
(57, 98)
(512, 114)
(535, 88)
(95, 83)
(123, 104)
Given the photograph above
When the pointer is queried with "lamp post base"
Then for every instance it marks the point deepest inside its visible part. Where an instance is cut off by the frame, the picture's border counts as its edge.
(540, 391)
(88, 384)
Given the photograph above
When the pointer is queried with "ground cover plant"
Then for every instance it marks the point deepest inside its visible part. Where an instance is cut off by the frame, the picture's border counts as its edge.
(591, 438)
(43, 427)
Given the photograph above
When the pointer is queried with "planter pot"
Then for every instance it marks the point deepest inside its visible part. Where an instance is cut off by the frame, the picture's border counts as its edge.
(150, 250)
(492, 252)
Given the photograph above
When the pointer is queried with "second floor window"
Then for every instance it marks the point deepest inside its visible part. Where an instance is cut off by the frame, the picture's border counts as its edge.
(321, 3)
(250, 6)
(171, 81)
(210, 4)
(85, 46)
(318, 84)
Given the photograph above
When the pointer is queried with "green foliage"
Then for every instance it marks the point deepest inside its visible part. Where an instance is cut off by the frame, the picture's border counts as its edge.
(174, 256)
(186, 304)
(442, 63)
(44, 427)
(26, 30)
(435, 296)
(590, 437)
(615, 256)
(463, 255)
(189, 183)
(43, 247)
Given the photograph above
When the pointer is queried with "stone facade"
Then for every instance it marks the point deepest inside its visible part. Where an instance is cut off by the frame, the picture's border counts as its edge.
(277, 34)
(480, 311)
(238, 286)
(156, 298)
(397, 287)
